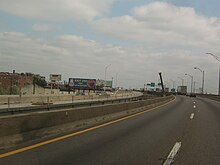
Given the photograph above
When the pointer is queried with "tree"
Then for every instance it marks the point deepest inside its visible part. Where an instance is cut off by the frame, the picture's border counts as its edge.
(39, 81)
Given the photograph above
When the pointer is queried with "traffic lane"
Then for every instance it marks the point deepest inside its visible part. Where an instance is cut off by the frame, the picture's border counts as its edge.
(201, 143)
(147, 138)
(84, 147)
(129, 148)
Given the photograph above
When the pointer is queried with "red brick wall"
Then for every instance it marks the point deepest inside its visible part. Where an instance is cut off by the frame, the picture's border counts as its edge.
(10, 79)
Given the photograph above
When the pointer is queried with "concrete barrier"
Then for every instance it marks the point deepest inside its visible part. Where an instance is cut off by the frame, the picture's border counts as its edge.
(210, 96)
(20, 128)
(16, 99)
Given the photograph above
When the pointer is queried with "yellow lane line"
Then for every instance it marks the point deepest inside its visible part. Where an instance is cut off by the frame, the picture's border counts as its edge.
(77, 133)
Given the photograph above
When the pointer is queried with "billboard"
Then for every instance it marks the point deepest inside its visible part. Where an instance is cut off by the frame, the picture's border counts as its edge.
(108, 83)
(55, 77)
(103, 83)
(100, 83)
(78, 83)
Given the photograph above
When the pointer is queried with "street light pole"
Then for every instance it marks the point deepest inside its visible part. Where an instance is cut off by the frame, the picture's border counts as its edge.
(182, 80)
(106, 73)
(203, 74)
(112, 81)
(173, 83)
(194, 87)
(116, 80)
(191, 81)
(219, 82)
(218, 59)
(167, 84)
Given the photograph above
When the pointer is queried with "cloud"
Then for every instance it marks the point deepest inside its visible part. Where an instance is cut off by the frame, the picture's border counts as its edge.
(57, 9)
(42, 27)
(75, 56)
(159, 37)
(161, 24)
(70, 54)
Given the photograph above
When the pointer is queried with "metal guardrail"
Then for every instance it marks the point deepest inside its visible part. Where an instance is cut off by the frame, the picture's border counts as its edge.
(49, 107)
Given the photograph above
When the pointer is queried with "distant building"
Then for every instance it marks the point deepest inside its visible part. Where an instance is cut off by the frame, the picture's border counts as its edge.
(11, 83)
(15, 79)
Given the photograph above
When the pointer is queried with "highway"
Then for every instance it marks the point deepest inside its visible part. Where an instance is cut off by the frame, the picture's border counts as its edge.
(191, 124)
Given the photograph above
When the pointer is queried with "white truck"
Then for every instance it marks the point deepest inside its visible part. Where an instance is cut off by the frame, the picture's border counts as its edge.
(181, 90)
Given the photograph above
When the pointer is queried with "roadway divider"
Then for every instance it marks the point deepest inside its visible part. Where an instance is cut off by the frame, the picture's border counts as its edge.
(21, 128)
(210, 96)
(76, 104)
(11, 100)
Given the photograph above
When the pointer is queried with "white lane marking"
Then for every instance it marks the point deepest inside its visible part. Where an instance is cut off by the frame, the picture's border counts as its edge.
(192, 116)
(194, 106)
(173, 152)
(194, 102)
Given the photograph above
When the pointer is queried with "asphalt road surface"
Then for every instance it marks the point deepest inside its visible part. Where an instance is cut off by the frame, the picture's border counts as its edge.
(150, 138)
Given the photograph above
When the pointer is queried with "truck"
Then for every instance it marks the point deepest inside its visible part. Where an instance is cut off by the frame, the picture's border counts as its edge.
(173, 91)
(181, 90)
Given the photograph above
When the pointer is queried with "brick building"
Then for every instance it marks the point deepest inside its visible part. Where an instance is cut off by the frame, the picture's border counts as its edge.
(12, 83)
(7, 80)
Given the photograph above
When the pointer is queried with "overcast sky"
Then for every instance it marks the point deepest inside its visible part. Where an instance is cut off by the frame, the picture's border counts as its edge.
(139, 38)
